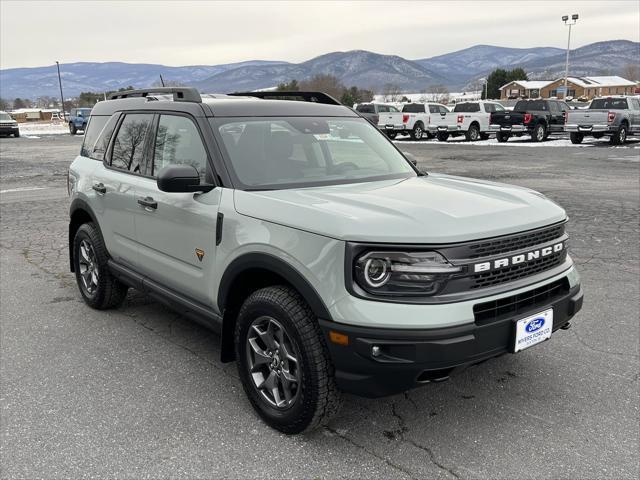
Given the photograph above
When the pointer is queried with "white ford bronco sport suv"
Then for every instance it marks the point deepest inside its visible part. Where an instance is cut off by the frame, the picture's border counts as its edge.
(324, 258)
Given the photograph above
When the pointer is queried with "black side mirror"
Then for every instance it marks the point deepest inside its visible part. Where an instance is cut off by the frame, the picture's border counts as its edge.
(181, 179)
(411, 158)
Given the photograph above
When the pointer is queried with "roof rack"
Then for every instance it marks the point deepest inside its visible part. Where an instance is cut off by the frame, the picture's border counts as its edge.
(316, 97)
(180, 94)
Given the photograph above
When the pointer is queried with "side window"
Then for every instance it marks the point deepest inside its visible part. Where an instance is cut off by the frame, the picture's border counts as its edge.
(94, 127)
(383, 109)
(553, 107)
(433, 109)
(498, 107)
(178, 142)
(489, 108)
(563, 106)
(393, 109)
(97, 136)
(128, 146)
(443, 109)
(636, 103)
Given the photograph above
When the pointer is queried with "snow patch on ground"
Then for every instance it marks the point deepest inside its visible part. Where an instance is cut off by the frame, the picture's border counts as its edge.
(31, 129)
(523, 142)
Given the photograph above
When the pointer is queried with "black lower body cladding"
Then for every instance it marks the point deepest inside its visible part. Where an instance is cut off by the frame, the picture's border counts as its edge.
(405, 359)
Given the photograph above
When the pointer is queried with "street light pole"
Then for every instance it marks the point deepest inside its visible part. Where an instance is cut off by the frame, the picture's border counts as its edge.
(574, 20)
(61, 96)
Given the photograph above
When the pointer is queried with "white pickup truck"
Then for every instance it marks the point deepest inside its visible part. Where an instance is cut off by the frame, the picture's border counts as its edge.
(414, 120)
(470, 119)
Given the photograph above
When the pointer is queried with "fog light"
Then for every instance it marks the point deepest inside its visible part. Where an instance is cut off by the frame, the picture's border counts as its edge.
(375, 351)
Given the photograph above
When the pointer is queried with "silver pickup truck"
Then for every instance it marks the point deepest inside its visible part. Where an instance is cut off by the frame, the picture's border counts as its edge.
(615, 117)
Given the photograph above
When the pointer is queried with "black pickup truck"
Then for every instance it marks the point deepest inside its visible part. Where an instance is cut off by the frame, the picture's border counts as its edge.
(538, 118)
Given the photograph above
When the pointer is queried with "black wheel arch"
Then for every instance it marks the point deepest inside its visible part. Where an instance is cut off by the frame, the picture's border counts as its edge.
(253, 271)
(79, 213)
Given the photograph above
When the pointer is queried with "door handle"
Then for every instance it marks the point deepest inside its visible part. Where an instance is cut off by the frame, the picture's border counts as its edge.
(100, 188)
(148, 203)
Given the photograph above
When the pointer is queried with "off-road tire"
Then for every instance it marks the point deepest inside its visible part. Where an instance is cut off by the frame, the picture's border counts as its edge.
(110, 292)
(473, 134)
(318, 399)
(539, 133)
(442, 136)
(576, 137)
(502, 137)
(72, 128)
(620, 137)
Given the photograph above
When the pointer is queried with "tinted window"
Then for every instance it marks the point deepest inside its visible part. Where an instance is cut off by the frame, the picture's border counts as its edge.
(443, 109)
(383, 109)
(393, 109)
(489, 107)
(609, 104)
(413, 108)
(499, 108)
(178, 142)
(636, 103)
(365, 108)
(527, 105)
(294, 151)
(97, 136)
(467, 107)
(128, 146)
(433, 109)
(553, 107)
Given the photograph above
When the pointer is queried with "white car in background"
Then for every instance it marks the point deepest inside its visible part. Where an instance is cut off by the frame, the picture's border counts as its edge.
(414, 120)
(470, 119)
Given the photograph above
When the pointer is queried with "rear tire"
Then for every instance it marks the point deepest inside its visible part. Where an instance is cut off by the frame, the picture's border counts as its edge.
(391, 135)
(278, 341)
(418, 131)
(72, 129)
(620, 137)
(98, 287)
(576, 137)
(539, 133)
(502, 137)
(442, 136)
(473, 134)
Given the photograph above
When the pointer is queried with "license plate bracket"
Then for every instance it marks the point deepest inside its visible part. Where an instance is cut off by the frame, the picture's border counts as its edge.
(532, 330)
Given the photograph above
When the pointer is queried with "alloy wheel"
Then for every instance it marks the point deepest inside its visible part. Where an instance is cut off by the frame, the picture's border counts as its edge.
(88, 265)
(273, 362)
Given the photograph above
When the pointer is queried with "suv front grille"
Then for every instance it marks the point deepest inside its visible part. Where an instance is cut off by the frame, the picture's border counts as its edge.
(540, 297)
(496, 277)
(515, 242)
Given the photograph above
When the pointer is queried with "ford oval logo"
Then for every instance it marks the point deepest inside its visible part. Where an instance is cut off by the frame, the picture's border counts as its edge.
(534, 325)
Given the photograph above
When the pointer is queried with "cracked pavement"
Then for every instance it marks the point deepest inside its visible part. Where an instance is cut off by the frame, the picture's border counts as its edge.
(139, 392)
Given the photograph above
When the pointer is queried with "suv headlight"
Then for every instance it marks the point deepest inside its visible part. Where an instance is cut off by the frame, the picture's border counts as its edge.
(403, 273)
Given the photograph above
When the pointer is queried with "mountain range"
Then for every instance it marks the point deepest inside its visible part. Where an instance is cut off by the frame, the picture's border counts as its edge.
(455, 70)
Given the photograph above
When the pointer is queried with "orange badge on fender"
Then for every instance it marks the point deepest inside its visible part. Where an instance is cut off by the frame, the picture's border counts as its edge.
(199, 253)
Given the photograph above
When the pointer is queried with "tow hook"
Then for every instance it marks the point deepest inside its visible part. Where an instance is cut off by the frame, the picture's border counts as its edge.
(566, 326)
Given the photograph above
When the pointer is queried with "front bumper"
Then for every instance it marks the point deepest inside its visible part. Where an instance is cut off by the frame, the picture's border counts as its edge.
(409, 358)
(8, 129)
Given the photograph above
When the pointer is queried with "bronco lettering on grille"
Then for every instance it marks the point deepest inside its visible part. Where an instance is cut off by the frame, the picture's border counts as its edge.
(517, 259)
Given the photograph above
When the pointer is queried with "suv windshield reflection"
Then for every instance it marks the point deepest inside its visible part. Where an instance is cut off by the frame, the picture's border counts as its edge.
(271, 153)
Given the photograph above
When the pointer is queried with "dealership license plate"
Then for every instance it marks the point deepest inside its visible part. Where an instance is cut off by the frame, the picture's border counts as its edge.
(533, 330)
(389, 127)
(442, 128)
(505, 128)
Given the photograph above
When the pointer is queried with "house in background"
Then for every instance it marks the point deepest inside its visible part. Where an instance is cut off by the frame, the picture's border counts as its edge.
(576, 87)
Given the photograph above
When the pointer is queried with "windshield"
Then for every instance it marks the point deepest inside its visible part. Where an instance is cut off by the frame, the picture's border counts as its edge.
(5, 117)
(609, 104)
(274, 153)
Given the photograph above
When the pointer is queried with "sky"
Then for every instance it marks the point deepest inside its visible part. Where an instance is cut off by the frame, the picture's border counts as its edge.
(37, 33)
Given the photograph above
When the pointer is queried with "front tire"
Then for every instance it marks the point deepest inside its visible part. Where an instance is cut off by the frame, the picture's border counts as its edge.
(283, 362)
(418, 132)
(576, 137)
(442, 136)
(539, 133)
(98, 287)
(391, 135)
(16, 134)
(72, 129)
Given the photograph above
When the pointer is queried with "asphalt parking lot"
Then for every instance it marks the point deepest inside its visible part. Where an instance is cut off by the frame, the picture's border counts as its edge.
(139, 392)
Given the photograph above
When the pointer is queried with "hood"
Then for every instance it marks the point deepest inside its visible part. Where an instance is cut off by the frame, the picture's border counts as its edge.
(430, 209)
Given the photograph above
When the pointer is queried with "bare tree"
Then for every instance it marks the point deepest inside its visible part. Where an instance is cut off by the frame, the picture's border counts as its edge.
(323, 83)
(631, 72)
(391, 93)
(439, 93)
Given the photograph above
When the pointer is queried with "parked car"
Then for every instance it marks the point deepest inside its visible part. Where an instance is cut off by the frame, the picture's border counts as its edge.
(8, 126)
(414, 120)
(325, 263)
(615, 117)
(538, 118)
(470, 119)
(78, 118)
(386, 117)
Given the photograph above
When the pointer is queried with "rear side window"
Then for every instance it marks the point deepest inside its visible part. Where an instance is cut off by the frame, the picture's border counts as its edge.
(128, 146)
(97, 136)
(609, 104)
(178, 143)
(413, 108)
(467, 107)
(365, 108)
